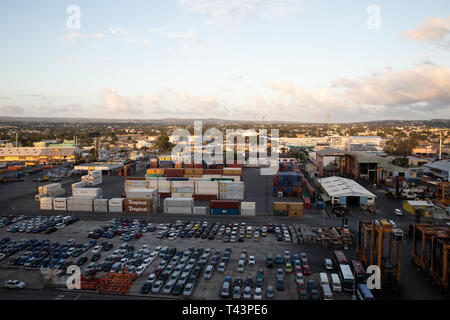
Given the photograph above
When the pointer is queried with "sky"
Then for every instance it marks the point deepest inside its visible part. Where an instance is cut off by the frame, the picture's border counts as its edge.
(296, 60)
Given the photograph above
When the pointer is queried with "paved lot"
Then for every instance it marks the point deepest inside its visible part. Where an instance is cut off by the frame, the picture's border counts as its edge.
(18, 198)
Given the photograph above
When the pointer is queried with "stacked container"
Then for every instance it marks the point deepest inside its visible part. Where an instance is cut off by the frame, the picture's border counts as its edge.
(171, 172)
(206, 190)
(115, 205)
(200, 210)
(288, 209)
(229, 190)
(135, 183)
(154, 172)
(224, 207)
(144, 194)
(248, 208)
(178, 205)
(138, 205)
(153, 163)
(94, 178)
(100, 205)
(93, 193)
(287, 184)
(60, 204)
(78, 185)
(46, 203)
(80, 204)
(193, 173)
(51, 190)
(182, 189)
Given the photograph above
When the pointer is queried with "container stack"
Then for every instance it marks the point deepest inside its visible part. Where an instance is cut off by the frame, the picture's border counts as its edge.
(100, 205)
(60, 204)
(94, 178)
(182, 189)
(225, 207)
(154, 172)
(93, 193)
(51, 190)
(200, 210)
(287, 184)
(173, 173)
(153, 163)
(248, 208)
(78, 185)
(280, 209)
(165, 164)
(135, 183)
(80, 203)
(229, 190)
(115, 205)
(46, 203)
(193, 173)
(206, 190)
(138, 205)
(295, 209)
(144, 194)
(178, 205)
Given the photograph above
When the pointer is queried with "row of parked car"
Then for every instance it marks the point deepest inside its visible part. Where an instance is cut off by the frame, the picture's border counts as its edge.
(48, 224)
(228, 232)
(179, 270)
(46, 254)
(125, 228)
(7, 220)
(9, 247)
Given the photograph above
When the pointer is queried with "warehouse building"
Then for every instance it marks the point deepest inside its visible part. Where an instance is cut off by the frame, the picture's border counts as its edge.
(438, 169)
(41, 155)
(105, 167)
(345, 192)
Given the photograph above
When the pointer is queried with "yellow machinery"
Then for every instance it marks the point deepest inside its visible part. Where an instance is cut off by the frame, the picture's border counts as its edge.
(443, 192)
(375, 246)
(421, 250)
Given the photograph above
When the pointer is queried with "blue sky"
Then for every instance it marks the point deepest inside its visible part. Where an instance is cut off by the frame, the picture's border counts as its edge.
(294, 60)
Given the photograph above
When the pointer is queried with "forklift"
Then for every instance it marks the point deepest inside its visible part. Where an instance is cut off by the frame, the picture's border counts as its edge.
(375, 246)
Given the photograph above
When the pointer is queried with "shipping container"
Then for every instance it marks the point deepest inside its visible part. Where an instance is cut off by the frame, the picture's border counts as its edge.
(138, 205)
(219, 211)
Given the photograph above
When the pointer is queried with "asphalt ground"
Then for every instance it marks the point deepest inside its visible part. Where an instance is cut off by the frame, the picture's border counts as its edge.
(18, 198)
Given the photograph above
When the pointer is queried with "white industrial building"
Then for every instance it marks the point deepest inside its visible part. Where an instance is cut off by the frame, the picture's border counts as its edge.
(345, 192)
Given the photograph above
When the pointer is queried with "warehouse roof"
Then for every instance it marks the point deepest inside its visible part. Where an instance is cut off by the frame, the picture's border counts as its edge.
(439, 165)
(337, 187)
(25, 151)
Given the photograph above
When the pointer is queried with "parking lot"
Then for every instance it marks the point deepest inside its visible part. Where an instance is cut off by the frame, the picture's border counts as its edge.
(18, 199)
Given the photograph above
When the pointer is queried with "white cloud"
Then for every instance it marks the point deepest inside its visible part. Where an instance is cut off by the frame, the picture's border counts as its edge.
(432, 30)
(114, 34)
(11, 110)
(220, 11)
(421, 91)
(189, 35)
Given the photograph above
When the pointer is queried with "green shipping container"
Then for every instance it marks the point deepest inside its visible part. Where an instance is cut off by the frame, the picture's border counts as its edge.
(280, 213)
(305, 195)
(153, 175)
(222, 179)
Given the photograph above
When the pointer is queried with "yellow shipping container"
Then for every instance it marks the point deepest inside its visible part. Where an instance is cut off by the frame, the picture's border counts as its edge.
(280, 206)
(295, 206)
(155, 171)
(295, 213)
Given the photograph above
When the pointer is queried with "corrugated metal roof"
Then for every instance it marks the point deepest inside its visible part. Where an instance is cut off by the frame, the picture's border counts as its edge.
(439, 165)
(337, 186)
(14, 152)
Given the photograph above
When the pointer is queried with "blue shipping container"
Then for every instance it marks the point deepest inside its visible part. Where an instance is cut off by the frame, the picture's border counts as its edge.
(225, 211)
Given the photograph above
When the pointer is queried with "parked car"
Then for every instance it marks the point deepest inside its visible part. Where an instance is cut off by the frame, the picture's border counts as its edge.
(14, 284)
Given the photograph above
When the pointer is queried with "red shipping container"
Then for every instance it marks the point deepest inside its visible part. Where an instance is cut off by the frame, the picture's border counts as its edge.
(205, 197)
(164, 195)
(175, 171)
(135, 178)
(235, 165)
(307, 203)
(212, 171)
(189, 165)
(224, 204)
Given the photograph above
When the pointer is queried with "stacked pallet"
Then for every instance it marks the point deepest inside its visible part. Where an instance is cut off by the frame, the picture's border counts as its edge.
(306, 234)
(334, 237)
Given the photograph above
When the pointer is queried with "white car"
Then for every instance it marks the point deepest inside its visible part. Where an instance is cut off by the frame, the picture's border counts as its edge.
(14, 284)
(140, 270)
(398, 212)
(2, 256)
(251, 260)
(257, 295)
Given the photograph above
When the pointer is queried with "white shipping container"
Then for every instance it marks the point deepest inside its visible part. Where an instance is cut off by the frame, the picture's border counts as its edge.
(206, 187)
(77, 185)
(136, 184)
(142, 193)
(248, 205)
(182, 194)
(163, 186)
(178, 202)
(49, 187)
(182, 184)
(178, 210)
(87, 192)
(200, 210)
(56, 192)
(100, 205)
(46, 203)
(116, 202)
(60, 204)
(248, 212)
(231, 196)
(115, 209)
(183, 190)
(96, 173)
